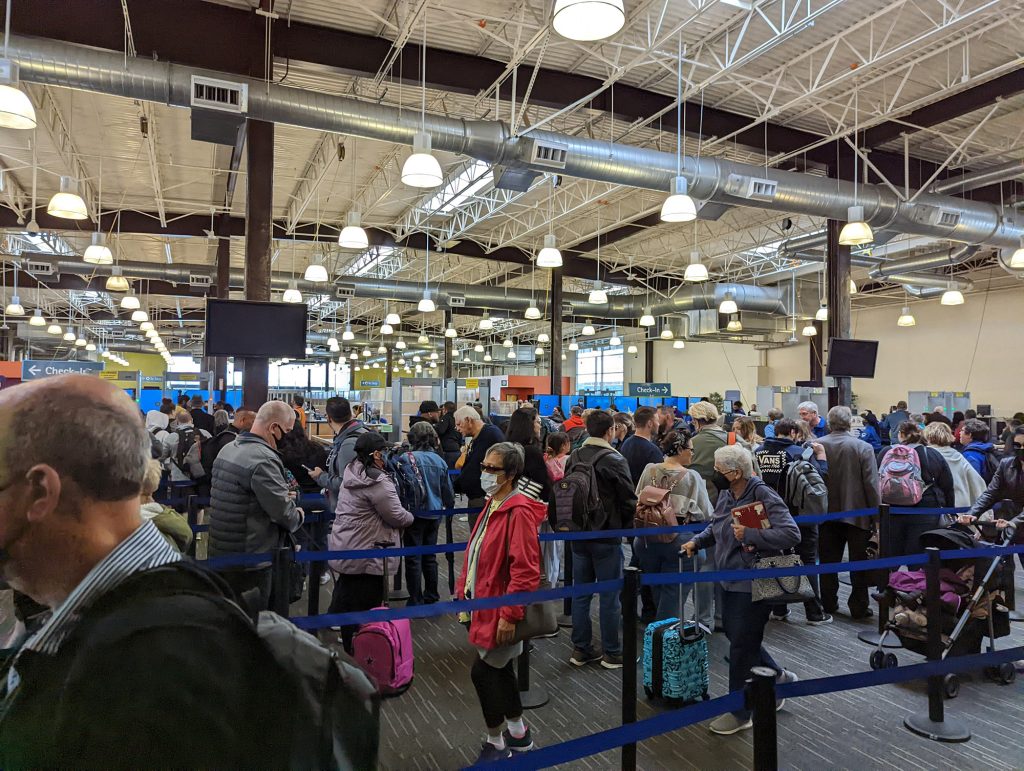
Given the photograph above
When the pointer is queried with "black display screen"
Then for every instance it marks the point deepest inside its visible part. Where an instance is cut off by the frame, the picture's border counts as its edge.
(255, 329)
(851, 358)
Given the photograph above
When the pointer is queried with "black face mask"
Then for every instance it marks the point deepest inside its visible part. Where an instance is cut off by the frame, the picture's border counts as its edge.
(1018, 450)
(719, 480)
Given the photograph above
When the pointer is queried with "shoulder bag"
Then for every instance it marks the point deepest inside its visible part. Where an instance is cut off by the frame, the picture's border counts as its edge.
(540, 618)
(780, 589)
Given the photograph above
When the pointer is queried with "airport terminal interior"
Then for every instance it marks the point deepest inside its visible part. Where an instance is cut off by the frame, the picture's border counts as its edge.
(724, 212)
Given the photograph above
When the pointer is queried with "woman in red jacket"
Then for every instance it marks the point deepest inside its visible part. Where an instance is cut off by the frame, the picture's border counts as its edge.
(502, 557)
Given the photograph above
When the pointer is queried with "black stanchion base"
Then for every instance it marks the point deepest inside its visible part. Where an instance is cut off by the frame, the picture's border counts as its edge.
(949, 730)
(1016, 615)
(398, 595)
(871, 638)
(565, 621)
(534, 698)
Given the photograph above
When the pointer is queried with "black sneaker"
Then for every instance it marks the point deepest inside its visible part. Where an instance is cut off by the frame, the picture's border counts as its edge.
(824, 618)
(580, 658)
(611, 661)
(489, 754)
(780, 616)
(522, 744)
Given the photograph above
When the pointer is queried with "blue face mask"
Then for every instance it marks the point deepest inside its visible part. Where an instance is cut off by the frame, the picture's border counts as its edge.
(489, 483)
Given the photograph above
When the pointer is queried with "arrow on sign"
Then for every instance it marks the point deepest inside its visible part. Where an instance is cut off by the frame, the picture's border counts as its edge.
(34, 370)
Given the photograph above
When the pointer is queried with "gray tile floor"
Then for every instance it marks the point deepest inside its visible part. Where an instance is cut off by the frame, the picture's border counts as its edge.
(437, 724)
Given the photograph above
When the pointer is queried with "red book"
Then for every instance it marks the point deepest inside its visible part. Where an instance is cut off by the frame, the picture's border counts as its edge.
(752, 515)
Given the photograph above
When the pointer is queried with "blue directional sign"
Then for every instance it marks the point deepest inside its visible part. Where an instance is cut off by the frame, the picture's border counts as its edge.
(650, 389)
(34, 369)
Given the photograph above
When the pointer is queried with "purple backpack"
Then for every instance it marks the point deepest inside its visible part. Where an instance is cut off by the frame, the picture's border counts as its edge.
(900, 479)
(384, 648)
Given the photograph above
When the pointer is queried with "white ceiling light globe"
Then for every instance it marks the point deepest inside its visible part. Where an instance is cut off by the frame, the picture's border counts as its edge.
(486, 324)
(139, 315)
(906, 318)
(146, 326)
(37, 319)
(316, 273)
(426, 305)
(549, 256)
(597, 296)
(631, 348)
(856, 231)
(54, 329)
(67, 203)
(728, 306)
(647, 319)
(696, 271)
(615, 341)
(543, 337)
(421, 169)
(588, 329)
(292, 293)
(387, 329)
(393, 318)
(574, 346)
(587, 20)
(678, 345)
(353, 236)
(348, 334)
(16, 109)
(952, 297)
(98, 253)
(679, 206)
(130, 302)
(400, 345)
(479, 347)
(809, 330)
(533, 312)
(451, 332)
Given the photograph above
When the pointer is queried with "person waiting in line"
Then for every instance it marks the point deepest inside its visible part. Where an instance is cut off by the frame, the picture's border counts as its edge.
(502, 557)
(242, 421)
(448, 435)
(891, 422)
(1006, 439)
(737, 408)
(808, 412)
(156, 427)
(524, 429)
(556, 453)
(905, 530)
(746, 433)
(573, 426)
(774, 416)
(557, 415)
(709, 437)
(852, 485)
(482, 435)
(301, 455)
(251, 504)
(978, 450)
(624, 428)
(939, 415)
(299, 405)
(369, 512)
(601, 559)
(202, 419)
(775, 457)
(640, 450)
(869, 431)
(1006, 487)
(172, 525)
(690, 504)
(347, 430)
(968, 484)
(421, 570)
(736, 547)
(959, 427)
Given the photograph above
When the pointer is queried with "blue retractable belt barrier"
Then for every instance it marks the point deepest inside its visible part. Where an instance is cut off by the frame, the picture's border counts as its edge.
(238, 560)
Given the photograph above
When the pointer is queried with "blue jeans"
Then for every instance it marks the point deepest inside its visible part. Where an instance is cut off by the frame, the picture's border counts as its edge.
(744, 623)
(596, 562)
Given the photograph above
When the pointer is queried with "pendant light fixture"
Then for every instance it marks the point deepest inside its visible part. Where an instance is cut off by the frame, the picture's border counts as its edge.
(69, 336)
(511, 354)
(14, 307)
(486, 323)
(37, 319)
(647, 319)
(478, 348)
(450, 331)
(98, 253)
(117, 282)
(147, 327)
(853, 286)
(421, 169)
(597, 295)
(382, 348)
(16, 111)
(392, 317)
(488, 357)
(532, 312)
(1017, 258)
(615, 341)
(734, 325)
(353, 356)
(139, 315)
(507, 342)
(386, 329)
(679, 206)
(679, 344)
(696, 271)
(316, 273)
(130, 302)
(856, 231)
(588, 329)
(401, 345)
(538, 351)
(667, 333)
(809, 330)
(728, 306)
(573, 345)
(422, 339)
(67, 203)
(906, 318)
(426, 305)
(80, 341)
(292, 293)
(90, 347)
(550, 256)
(631, 348)
(588, 20)
(952, 296)
(367, 353)
(543, 337)
(54, 329)
(353, 236)
(822, 313)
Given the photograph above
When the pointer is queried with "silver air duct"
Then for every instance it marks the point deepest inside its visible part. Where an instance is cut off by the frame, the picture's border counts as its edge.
(713, 179)
(976, 179)
(941, 259)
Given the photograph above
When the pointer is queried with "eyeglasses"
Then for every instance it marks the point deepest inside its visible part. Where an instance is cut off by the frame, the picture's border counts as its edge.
(491, 469)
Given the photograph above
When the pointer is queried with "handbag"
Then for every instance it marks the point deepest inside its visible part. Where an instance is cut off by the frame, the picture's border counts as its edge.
(540, 618)
(780, 589)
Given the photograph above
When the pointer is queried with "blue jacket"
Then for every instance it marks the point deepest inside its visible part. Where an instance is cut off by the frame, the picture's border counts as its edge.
(769, 430)
(729, 553)
(436, 480)
(821, 429)
(975, 453)
(870, 435)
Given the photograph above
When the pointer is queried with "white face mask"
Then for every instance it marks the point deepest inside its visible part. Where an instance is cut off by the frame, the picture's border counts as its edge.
(489, 482)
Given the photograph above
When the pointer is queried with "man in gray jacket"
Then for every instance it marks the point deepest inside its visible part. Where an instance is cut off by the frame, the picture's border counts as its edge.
(346, 430)
(852, 484)
(251, 505)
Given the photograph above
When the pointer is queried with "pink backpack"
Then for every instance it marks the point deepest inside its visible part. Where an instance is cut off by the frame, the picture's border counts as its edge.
(384, 649)
(900, 479)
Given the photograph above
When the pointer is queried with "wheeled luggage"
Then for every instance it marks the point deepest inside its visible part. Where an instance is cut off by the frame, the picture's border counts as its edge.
(384, 648)
(676, 657)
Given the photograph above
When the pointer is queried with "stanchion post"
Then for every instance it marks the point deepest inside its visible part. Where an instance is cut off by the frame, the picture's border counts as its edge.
(934, 724)
(760, 697)
(193, 520)
(450, 556)
(630, 593)
(565, 620)
(884, 550)
(280, 580)
(530, 697)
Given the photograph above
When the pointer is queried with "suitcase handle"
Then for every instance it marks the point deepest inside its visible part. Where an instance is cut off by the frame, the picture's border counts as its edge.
(682, 601)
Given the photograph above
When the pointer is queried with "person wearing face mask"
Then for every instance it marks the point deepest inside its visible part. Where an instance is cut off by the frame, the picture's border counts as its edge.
(735, 547)
(502, 557)
(1006, 487)
(369, 513)
(251, 505)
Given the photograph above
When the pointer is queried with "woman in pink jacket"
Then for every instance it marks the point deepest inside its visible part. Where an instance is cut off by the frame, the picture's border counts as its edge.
(369, 513)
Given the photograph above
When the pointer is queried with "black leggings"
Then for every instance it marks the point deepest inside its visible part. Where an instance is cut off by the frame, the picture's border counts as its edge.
(498, 692)
(354, 593)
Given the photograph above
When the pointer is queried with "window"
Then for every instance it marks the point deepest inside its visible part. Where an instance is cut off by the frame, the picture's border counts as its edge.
(600, 371)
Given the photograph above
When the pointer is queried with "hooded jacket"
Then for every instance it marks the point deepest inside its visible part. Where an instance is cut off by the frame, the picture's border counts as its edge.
(509, 562)
(369, 512)
(343, 452)
(249, 500)
(172, 525)
(976, 453)
(968, 484)
(1007, 484)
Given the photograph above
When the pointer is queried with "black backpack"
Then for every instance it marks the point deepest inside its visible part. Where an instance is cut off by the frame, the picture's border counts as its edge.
(187, 436)
(575, 499)
(991, 464)
(805, 490)
(401, 465)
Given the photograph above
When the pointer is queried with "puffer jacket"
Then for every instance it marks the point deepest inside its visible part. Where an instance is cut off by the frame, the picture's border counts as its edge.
(369, 512)
(249, 501)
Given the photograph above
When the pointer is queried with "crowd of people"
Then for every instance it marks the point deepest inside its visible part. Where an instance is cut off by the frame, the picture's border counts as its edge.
(98, 525)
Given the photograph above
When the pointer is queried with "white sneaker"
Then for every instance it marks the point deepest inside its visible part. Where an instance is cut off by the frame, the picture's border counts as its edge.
(785, 677)
(325, 578)
(729, 724)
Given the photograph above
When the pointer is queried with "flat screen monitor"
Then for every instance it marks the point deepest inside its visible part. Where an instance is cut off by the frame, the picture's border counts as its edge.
(984, 409)
(851, 358)
(254, 329)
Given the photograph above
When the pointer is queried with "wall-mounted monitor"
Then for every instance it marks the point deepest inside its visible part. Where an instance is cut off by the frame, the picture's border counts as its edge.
(851, 358)
(254, 329)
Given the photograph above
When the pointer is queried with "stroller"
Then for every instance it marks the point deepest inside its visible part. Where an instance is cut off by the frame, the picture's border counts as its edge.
(973, 602)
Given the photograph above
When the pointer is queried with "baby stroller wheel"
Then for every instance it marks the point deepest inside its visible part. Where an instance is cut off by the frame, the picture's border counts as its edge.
(877, 659)
(951, 686)
(890, 661)
(1007, 673)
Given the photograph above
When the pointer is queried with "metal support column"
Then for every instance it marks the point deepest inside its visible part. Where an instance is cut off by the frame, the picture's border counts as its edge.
(447, 364)
(837, 280)
(258, 216)
(817, 355)
(648, 361)
(555, 309)
(389, 358)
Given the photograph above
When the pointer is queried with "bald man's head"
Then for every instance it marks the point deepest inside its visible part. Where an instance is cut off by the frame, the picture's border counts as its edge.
(273, 421)
(244, 419)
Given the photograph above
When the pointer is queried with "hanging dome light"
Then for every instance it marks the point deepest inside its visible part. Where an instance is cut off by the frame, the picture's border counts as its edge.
(696, 271)
(614, 341)
(367, 353)
(588, 329)
(357, 368)
(292, 293)
(105, 353)
(16, 111)
(678, 207)
(139, 315)
(597, 296)
(69, 336)
(37, 319)
(451, 331)
(734, 325)
(421, 169)
(532, 312)
(116, 282)
(147, 326)
(353, 236)
(400, 345)
(549, 256)
(667, 334)
(332, 341)
(538, 351)
(387, 329)
(54, 329)
(98, 253)
(382, 348)
(809, 330)
(14, 307)
(348, 334)
(631, 348)
(90, 347)
(130, 302)
(906, 318)
(309, 350)
(1017, 258)
(952, 297)
(573, 345)
(433, 356)
(679, 344)
(151, 333)
(316, 273)
(856, 231)
(853, 285)
(488, 357)
(728, 306)
(426, 305)
(67, 204)
(80, 341)
(507, 342)
(422, 339)
(393, 318)
(543, 337)
(511, 354)
(486, 324)
(587, 20)
(479, 347)
(647, 319)
(822, 313)
(353, 356)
